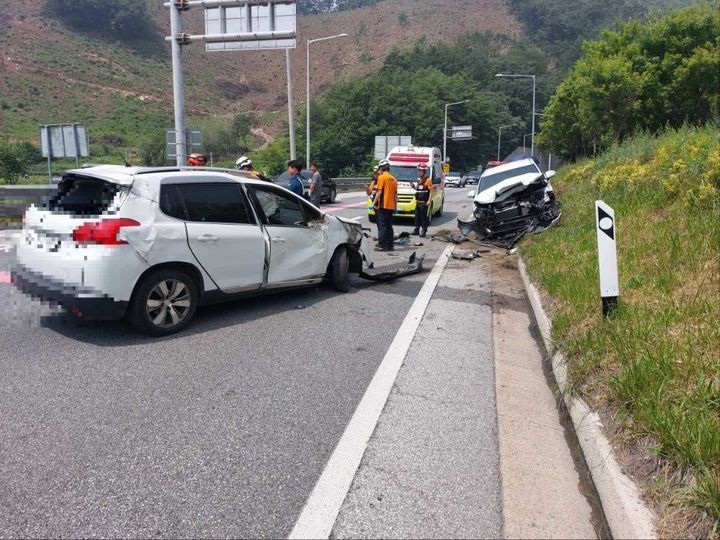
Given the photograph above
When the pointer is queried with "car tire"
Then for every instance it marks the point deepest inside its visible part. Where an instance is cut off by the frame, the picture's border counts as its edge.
(333, 196)
(164, 302)
(340, 270)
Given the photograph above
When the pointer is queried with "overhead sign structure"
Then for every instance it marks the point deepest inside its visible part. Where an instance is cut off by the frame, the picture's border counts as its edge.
(607, 257)
(231, 25)
(385, 143)
(253, 25)
(461, 133)
(194, 140)
(64, 140)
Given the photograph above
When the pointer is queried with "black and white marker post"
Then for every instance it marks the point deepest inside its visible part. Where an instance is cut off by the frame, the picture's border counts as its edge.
(607, 257)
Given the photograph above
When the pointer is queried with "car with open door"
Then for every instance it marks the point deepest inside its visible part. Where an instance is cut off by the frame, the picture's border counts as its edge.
(153, 244)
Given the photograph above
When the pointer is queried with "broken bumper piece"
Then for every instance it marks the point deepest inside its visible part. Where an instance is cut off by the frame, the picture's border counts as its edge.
(414, 265)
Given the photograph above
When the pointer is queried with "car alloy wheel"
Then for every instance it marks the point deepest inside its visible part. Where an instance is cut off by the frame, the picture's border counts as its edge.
(164, 302)
(168, 303)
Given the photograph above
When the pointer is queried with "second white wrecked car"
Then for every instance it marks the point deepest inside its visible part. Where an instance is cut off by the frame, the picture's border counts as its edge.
(510, 200)
(154, 243)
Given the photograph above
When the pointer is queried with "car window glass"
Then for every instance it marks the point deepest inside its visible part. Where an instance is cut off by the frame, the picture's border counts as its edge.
(83, 196)
(278, 208)
(437, 175)
(214, 203)
(170, 202)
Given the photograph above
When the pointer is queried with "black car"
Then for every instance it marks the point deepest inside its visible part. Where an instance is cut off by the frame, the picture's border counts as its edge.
(328, 189)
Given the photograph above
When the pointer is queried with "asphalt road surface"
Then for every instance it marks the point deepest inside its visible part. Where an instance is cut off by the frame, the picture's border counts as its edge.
(221, 430)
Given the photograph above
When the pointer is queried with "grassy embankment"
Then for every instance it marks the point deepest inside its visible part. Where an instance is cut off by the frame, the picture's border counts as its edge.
(654, 369)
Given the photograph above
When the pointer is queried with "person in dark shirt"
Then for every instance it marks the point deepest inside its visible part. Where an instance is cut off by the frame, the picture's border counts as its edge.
(295, 185)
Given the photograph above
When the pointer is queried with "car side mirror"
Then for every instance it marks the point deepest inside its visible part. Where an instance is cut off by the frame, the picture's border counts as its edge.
(549, 174)
(471, 194)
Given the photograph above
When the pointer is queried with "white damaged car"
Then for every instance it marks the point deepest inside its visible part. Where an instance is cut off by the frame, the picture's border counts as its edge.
(511, 200)
(154, 243)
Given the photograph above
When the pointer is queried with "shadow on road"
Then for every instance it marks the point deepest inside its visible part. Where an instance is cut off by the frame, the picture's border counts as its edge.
(226, 315)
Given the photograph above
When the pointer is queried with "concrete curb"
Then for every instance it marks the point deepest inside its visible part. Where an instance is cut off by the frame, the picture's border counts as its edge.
(626, 514)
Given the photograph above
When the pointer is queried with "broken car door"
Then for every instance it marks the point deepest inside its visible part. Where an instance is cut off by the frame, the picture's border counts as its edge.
(298, 247)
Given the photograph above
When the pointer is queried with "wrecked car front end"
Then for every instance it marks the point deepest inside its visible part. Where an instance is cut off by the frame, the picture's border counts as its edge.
(503, 215)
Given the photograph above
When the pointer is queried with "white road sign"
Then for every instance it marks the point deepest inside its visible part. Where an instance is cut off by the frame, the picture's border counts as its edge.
(385, 143)
(64, 140)
(461, 133)
(252, 25)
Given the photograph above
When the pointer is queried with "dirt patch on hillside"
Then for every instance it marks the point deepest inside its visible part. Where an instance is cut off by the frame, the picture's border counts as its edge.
(230, 82)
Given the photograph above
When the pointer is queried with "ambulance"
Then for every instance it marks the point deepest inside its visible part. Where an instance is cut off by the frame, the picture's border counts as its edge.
(403, 166)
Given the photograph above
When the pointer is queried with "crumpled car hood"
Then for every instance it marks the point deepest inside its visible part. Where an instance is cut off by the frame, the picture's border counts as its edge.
(488, 196)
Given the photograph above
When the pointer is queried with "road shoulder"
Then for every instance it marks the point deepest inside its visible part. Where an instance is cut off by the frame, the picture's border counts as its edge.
(547, 492)
(431, 467)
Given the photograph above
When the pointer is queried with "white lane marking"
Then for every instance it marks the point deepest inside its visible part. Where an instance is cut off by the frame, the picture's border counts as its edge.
(322, 507)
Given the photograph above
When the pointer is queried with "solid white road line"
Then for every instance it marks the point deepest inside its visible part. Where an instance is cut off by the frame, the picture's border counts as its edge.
(322, 507)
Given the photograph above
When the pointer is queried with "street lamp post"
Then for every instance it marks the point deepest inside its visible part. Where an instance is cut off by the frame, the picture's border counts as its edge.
(445, 127)
(307, 92)
(499, 132)
(532, 129)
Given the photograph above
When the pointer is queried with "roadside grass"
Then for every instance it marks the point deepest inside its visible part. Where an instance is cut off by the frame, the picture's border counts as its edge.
(656, 363)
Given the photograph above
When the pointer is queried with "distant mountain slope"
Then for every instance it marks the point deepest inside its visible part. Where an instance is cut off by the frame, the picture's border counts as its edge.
(51, 73)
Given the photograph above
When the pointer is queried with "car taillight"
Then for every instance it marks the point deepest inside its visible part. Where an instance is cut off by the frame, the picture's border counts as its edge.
(102, 232)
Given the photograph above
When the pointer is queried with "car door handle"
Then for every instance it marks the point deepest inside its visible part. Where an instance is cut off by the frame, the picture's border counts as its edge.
(207, 238)
(278, 240)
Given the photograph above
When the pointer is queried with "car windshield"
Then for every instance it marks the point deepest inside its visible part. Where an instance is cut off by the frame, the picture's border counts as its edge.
(404, 174)
(492, 178)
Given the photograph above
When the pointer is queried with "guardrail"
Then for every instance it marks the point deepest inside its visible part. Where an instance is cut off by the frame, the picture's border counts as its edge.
(15, 199)
(351, 184)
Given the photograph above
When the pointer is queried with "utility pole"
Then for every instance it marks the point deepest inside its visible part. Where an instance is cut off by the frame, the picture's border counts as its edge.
(291, 109)
(178, 82)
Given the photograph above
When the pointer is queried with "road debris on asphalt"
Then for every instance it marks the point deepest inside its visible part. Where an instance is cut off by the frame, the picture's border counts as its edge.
(450, 238)
(414, 265)
(468, 254)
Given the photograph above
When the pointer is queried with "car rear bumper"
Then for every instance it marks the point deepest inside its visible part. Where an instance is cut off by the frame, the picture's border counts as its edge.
(82, 302)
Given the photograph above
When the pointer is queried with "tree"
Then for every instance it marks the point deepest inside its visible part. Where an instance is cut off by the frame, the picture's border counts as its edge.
(151, 149)
(242, 129)
(408, 95)
(15, 160)
(119, 18)
(641, 77)
(273, 158)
